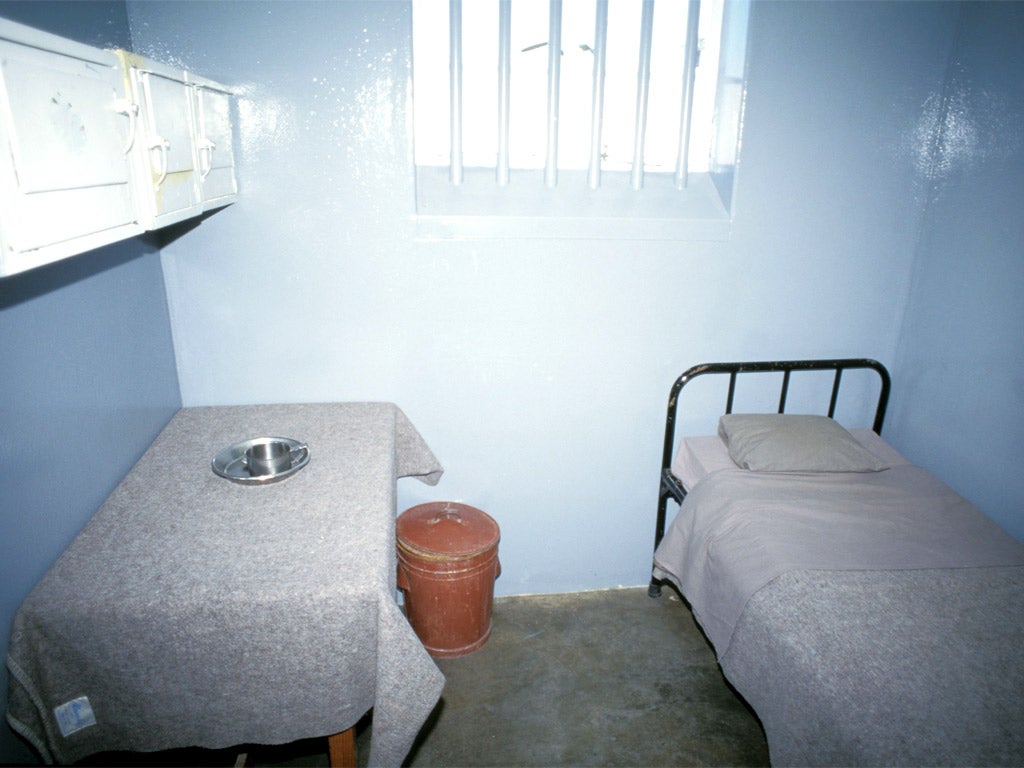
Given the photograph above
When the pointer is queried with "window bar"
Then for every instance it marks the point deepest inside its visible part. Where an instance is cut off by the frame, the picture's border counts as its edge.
(554, 76)
(689, 74)
(643, 80)
(504, 87)
(455, 89)
(597, 99)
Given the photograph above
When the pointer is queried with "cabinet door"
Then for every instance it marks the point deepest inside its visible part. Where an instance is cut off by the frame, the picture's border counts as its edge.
(215, 156)
(165, 155)
(64, 131)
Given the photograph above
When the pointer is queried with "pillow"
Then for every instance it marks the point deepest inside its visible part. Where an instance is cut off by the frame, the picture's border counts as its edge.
(784, 442)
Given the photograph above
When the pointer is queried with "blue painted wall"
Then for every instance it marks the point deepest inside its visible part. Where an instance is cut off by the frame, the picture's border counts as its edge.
(538, 368)
(87, 376)
(959, 408)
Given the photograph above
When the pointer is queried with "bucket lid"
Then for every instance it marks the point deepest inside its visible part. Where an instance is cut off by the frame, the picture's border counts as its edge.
(447, 527)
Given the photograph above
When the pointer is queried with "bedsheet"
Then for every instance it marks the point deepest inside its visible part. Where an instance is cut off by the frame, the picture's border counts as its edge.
(736, 531)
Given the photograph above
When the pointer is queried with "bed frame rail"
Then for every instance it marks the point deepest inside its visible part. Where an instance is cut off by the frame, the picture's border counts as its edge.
(669, 485)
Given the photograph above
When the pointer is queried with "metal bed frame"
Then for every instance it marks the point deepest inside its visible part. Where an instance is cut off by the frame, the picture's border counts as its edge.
(671, 487)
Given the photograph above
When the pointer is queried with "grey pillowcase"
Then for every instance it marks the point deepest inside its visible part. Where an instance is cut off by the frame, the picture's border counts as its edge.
(777, 442)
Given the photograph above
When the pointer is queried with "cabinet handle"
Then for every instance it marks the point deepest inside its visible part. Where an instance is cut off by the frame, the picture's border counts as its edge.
(131, 110)
(206, 148)
(163, 145)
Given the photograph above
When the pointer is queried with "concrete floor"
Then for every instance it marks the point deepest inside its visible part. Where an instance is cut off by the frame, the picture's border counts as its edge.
(606, 678)
(609, 678)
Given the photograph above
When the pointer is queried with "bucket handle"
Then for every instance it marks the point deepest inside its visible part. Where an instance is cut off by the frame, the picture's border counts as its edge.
(446, 514)
(402, 578)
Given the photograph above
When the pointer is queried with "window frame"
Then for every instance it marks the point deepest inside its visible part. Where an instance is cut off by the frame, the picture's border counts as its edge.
(528, 206)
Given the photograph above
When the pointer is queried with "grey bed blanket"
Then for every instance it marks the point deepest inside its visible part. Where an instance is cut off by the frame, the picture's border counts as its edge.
(738, 530)
(907, 668)
(869, 619)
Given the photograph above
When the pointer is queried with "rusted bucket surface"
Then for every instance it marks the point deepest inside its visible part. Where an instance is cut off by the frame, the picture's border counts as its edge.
(447, 564)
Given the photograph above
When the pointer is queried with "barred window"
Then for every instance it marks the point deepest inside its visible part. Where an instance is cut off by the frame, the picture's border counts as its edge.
(583, 109)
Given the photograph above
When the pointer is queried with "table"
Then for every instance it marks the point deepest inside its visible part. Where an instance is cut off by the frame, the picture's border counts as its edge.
(196, 611)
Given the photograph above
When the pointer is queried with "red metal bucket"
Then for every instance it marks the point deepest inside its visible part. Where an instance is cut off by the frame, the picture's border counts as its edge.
(447, 564)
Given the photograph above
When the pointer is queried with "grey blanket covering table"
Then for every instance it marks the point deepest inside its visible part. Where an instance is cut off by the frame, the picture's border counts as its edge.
(195, 611)
(869, 618)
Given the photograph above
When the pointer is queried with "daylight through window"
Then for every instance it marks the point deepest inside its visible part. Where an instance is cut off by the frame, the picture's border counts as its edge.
(632, 88)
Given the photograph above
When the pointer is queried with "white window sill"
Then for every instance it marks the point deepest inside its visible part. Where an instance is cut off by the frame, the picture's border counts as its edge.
(526, 208)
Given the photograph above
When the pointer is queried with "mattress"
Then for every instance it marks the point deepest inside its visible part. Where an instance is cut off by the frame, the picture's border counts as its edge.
(697, 457)
(869, 618)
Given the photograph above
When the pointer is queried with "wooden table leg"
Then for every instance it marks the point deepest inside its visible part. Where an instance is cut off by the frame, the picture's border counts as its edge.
(341, 749)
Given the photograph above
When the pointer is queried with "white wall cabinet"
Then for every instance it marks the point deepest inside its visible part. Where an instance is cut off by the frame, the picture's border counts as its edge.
(214, 142)
(98, 146)
(65, 126)
(163, 155)
(182, 158)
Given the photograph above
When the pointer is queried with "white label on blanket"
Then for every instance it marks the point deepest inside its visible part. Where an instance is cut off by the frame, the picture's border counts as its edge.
(74, 715)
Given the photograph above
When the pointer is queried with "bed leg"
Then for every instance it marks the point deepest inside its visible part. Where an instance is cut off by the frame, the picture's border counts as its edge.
(654, 589)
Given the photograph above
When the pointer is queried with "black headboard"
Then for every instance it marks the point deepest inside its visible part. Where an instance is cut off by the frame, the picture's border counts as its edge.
(670, 486)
